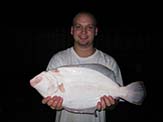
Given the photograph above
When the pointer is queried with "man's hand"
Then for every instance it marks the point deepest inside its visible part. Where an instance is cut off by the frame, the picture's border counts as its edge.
(53, 102)
(105, 101)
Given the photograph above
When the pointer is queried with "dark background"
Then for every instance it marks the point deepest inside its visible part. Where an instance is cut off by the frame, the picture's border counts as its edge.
(31, 33)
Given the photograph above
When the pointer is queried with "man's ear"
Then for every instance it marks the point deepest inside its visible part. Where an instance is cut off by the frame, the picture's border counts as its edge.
(96, 31)
(72, 29)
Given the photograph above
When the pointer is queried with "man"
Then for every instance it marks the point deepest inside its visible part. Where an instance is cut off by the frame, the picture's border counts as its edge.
(83, 31)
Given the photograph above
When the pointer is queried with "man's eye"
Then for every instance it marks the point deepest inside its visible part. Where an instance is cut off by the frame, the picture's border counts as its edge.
(77, 27)
(91, 27)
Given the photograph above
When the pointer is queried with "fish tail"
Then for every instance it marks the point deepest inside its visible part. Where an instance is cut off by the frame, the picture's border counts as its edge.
(134, 92)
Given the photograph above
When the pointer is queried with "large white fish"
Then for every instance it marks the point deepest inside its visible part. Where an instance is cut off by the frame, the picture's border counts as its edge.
(81, 86)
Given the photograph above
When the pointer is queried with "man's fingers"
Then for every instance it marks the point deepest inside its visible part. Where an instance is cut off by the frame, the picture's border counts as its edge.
(55, 102)
(103, 104)
(59, 104)
(98, 106)
(107, 101)
(45, 100)
(111, 99)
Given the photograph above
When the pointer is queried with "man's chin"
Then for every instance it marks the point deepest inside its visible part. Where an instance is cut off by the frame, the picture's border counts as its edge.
(84, 44)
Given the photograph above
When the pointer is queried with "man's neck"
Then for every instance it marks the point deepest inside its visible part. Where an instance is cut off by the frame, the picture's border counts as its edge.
(84, 52)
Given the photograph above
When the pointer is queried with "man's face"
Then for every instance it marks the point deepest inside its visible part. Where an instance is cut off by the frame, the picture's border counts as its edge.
(84, 30)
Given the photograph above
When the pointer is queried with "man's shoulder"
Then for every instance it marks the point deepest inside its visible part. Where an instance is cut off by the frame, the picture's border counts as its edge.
(107, 59)
(59, 58)
(64, 52)
(106, 55)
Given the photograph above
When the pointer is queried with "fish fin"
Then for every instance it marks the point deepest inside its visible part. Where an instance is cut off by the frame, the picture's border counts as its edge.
(134, 92)
(82, 111)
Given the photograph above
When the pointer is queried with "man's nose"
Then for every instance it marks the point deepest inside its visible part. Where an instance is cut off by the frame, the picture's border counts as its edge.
(84, 30)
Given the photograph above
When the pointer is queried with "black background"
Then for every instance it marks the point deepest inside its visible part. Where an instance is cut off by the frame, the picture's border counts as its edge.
(32, 32)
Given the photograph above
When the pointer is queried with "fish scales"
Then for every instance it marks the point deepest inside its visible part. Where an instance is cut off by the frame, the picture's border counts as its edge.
(81, 86)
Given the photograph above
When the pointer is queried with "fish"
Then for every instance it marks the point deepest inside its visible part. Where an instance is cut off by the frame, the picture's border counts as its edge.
(82, 85)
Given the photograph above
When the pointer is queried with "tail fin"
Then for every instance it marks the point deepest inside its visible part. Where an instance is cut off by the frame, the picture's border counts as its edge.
(134, 92)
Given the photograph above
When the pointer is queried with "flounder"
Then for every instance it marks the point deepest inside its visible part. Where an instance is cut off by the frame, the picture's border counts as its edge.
(81, 86)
